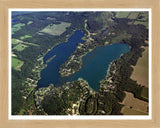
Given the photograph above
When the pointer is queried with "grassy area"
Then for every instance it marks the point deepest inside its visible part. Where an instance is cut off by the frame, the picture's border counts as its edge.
(17, 27)
(16, 41)
(26, 36)
(142, 22)
(144, 93)
(122, 14)
(131, 111)
(120, 37)
(140, 72)
(16, 63)
(56, 29)
(133, 15)
(29, 22)
(20, 47)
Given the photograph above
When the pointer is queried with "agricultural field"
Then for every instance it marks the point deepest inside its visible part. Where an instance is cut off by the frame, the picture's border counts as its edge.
(17, 27)
(144, 93)
(130, 111)
(17, 64)
(133, 15)
(132, 105)
(16, 41)
(55, 29)
(20, 47)
(142, 22)
(24, 37)
(140, 72)
(122, 14)
(29, 22)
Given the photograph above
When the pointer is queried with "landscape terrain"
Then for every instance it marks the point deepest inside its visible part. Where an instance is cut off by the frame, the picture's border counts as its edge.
(80, 63)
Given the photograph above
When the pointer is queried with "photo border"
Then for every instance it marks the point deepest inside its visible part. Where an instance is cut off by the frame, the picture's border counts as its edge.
(4, 80)
(80, 117)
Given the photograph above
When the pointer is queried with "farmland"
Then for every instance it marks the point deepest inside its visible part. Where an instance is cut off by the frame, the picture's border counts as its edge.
(122, 14)
(16, 63)
(20, 47)
(17, 27)
(140, 72)
(55, 29)
(133, 105)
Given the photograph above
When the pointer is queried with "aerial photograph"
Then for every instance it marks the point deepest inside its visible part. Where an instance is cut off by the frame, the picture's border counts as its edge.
(79, 62)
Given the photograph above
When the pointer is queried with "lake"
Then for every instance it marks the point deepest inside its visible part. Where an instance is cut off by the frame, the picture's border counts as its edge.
(61, 52)
(94, 64)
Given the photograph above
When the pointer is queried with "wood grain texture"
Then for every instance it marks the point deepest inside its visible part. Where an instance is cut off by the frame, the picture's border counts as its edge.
(6, 4)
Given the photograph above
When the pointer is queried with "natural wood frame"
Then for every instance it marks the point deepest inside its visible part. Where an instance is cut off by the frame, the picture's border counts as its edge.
(6, 4)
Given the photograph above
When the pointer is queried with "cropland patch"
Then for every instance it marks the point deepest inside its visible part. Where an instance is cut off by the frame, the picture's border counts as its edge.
(17, 64)
(24, 37)
(122, 14)
(133, 103)
(55, 29)
(29, 22)
(130, 111)
(140, 72)
(133, 15)
(17, 27)
(20, 47)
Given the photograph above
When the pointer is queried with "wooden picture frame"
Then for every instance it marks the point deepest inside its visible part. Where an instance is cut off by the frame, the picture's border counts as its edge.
(154, 5)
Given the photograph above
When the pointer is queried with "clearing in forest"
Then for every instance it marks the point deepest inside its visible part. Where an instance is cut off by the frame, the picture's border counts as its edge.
(17, 64)
(55, 29)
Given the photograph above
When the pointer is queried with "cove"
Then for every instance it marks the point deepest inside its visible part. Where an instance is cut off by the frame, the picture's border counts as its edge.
(60, 54)
(96, 63)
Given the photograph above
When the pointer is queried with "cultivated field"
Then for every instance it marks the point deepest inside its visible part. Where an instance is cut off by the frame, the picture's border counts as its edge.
(131, 111)
(55, 29)
(133, 15)
(17, 27)
(122, 14)
(140, 72)
(16, 63)
(20, 47)
(133, 105)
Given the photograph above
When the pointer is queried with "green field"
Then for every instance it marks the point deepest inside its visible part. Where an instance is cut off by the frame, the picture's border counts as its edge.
(20, 47)
(120, 37)
(133, 15)
(16, 63)
(26, 36)
(16, 41)
(122, 14)
(55, 29)
(29, 22)
(141, 22)
(17, 27)
(144, 93)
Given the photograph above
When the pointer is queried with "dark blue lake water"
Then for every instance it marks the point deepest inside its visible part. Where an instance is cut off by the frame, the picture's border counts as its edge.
(62, 51)
(94, 64)
(15, 20)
